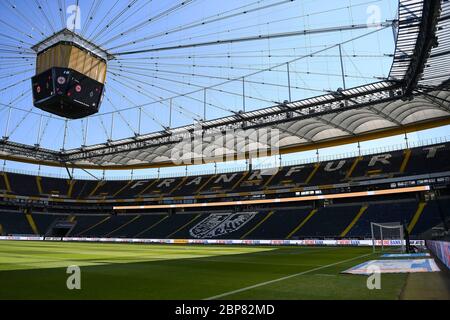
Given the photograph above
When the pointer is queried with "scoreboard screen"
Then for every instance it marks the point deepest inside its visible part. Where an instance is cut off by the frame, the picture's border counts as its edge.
(43, 86)
(67, 93)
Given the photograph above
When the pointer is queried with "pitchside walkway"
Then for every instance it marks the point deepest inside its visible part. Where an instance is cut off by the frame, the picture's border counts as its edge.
(427, 286)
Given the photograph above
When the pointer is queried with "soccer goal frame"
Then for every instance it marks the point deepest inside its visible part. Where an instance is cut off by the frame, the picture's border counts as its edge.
(388, 227)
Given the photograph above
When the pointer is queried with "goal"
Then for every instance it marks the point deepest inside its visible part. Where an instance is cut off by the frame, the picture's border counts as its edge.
(383, 232)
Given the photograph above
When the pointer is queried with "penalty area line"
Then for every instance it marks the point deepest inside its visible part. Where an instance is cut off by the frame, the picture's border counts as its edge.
(284, 278)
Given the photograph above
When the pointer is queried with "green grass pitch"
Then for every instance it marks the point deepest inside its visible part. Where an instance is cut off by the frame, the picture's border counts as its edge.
(37, 270)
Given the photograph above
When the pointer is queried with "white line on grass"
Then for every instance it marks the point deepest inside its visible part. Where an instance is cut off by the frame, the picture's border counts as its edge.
(283, 278)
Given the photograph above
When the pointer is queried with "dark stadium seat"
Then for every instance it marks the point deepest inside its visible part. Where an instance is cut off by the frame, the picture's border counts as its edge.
(135, 188)
(150, 222)
(249, 227)
(84, 188)
(108, 225)
(222, 182)
(280, 224)
(190, 185)
(431, 216)
(4, 182)
(256, 179)
(328, 222)
(377, 164)
(108, 189)
(401, 211)
(163, 186)
(54, 186)
(289, 223)
(44, 221)
(293, 175)
(15, 223)
(168, 226)
(85, 222)
(430, 159)
(23, 184)
(421, 160)
(331, 172)
(229, 226)
(135, 226)
(341, 219)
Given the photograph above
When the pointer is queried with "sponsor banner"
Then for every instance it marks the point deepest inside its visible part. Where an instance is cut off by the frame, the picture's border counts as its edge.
(197, 241)
(158, 241)
(405, 255)
(308, 242)
(394, 266)
(390, 242)
(279, 242)
(250, 242)
(354, 243)
(21, 238)
(180, 241)
(442, 250)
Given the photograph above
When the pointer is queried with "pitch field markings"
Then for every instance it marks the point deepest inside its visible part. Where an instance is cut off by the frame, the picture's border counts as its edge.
(90, 254)
(16, 255)
(197, 272)
(229, 293)
(245, 261)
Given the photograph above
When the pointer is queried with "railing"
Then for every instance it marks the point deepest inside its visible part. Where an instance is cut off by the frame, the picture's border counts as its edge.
(243, 168)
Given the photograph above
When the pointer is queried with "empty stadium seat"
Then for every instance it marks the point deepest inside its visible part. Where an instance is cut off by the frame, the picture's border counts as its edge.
(15, 223)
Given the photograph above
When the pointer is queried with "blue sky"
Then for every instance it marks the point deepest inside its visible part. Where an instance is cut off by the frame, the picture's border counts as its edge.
(133, 81)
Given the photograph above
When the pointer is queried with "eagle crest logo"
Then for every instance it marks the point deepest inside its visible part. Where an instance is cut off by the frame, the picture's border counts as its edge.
(218, 224)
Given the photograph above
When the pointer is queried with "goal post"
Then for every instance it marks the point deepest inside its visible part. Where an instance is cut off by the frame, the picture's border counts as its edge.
(387, 231)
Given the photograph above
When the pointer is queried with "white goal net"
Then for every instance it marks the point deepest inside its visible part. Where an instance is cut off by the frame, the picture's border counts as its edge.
(387, 236)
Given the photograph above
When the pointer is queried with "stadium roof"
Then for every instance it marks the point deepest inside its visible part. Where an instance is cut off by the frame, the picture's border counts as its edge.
(415, 96)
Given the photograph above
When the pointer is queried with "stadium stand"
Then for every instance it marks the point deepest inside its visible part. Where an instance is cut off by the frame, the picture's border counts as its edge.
(347, 220)
(280, 224)
(432, 158)
(32, 204)
(328, 222)
(85, 222)
(52, 186)
(44, 221)
(399, 211)
(169, 226)
(290, 176)
(135, 226)
(146, 228)
(430, 216)
(14, 223)
(4, 182)
(108, 225)
(26, 189)
(226, 225)
(418, 161)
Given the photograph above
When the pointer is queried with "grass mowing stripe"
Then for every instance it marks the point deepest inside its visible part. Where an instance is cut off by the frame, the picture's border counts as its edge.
(164, 272)
(16, 253)
(229, 293)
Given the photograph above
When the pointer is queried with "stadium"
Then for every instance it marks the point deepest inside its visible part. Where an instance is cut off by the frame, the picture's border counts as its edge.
(244, 150)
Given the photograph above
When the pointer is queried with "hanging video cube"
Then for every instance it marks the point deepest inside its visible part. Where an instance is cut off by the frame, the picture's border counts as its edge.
(66, 93)
(70, 75)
